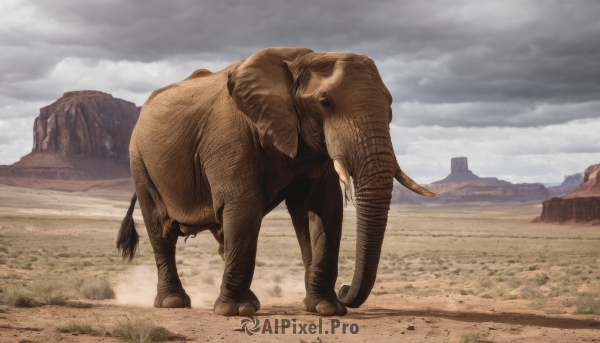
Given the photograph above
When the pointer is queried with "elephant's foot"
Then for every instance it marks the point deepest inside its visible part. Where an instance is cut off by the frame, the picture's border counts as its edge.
(324, 307)
(245, 307)
(173, 300)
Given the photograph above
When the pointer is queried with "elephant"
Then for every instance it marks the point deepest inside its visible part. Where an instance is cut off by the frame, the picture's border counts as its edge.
(219, 150)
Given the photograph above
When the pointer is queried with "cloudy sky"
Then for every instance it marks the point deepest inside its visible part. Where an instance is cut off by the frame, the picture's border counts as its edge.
(512, 85)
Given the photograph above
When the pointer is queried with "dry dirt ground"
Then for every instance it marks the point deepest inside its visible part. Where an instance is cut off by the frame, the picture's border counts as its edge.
(448, 273)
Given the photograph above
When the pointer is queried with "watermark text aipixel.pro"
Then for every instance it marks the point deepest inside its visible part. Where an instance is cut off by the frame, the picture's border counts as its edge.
(268, 326)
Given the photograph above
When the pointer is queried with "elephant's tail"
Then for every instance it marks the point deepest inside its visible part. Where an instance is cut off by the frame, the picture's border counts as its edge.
(128, 238)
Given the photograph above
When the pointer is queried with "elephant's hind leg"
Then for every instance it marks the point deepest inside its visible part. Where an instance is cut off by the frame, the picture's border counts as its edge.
(170, 293)
(162, 232)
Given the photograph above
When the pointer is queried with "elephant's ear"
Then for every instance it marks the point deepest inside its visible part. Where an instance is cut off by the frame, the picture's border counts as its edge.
(261, 86)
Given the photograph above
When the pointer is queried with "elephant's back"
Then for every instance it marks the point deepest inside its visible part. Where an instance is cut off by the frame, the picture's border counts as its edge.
(172, 116)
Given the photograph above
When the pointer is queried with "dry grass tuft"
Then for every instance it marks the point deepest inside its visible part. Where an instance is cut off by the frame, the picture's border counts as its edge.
(538, 299)
(50, 291)
(138, 330)
(97, 289)
(469, 338)
(55, 291)
(80, 327)
(18, 297)
(585, 304)
(78, 304)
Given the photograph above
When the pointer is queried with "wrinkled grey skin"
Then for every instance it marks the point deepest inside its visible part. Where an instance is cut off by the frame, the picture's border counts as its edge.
(218, 151)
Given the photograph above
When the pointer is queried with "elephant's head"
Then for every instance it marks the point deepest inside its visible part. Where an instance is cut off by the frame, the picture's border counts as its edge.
(338, 105)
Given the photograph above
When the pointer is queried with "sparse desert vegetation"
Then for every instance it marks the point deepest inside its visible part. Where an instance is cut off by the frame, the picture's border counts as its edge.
(57, 258)
(97, 289)
(138, 330)
(54, 291)
(469, 338)
(80, 327)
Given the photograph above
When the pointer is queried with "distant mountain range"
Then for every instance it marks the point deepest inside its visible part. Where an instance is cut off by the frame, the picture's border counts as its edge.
(462, 185)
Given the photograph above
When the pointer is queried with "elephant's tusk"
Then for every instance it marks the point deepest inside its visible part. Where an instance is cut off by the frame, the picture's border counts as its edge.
(342, 172)
(410, 184)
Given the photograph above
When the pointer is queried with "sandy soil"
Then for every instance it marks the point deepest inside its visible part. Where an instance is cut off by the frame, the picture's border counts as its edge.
(446, 272)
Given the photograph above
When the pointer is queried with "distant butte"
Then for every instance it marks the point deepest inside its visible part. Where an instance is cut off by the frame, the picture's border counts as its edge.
(459, 173)
(86, 123)
(83, 136)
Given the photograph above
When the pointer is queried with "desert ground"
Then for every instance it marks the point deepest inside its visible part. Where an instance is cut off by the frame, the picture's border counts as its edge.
(452, 273)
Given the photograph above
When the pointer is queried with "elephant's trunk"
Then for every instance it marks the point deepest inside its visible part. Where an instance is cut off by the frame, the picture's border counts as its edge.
(372, 205)
(373, 174)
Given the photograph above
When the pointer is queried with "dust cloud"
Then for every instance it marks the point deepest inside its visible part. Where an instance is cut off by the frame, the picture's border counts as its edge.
(137, 286)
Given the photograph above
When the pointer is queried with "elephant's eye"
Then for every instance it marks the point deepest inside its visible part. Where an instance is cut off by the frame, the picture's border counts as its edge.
(325, 102)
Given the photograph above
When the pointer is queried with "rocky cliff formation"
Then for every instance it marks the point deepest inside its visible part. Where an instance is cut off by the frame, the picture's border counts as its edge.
(581, 205)
(570, 183)
(84, 135)
(87, 123)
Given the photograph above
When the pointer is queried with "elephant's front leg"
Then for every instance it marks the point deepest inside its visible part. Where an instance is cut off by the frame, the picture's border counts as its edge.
(317, 219)
(241, 224)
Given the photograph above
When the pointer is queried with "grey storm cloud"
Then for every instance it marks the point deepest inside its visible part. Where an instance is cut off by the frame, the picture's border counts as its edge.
(435, 52)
